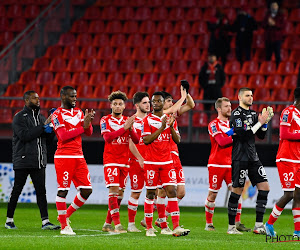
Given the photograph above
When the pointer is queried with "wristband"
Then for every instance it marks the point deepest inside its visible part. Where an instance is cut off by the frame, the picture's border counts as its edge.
(230, 132)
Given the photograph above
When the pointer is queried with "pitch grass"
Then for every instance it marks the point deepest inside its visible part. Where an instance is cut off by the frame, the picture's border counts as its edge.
(87, 223)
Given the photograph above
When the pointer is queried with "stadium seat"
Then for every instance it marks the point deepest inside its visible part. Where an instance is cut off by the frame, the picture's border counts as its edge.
(92, 65)
(249, 68)
(256, 81)
(159, 14)
(101, 40)
(57, 64)
(294, 56)
(122, 53)
(127, 66)
(195, 67)
(144, 66)
(179, 67)
(70, 52)
(238, 81)
(208, 13)
(267, 68)
(164, 27)
(290, 82)
(203, 41)
(87, 52)
(80, 78)
(120, 87)
(194, 91)
(258, 41)
(198, 107)
(260, 14)
(200, 119)
(4, 24)
(114, 27)
(53, 25)
(182, 27)
(147, 27)
(110, 65)
(152, 41)
(97, 78)
(101, 91)
(276, 121)
(32, 86)
(14, 90)
(157, 54)
(139, 53)
(229, 93)
(66, 39)
(135, 89)
(274, 81)
(222, 3)
(31, 11)
(262, 94)
(149, 79)
(187, 41)
(183, 121)
(75, 65)
(85, 91)
(154, 3)
(167, 79)
(171, 3)
(174, 54)
(188, 77)
(192, 54)
(135, 40)
(176, 14)
(199, 28)
(5, 115)
(49, 91)
(130, 27)
(162, 66)
(280, 95)
(96, 26)
(232, 68)
(286, 68)
(289, 29)
(133, 79)
(26, 51)
(62, 78)
(44, 78)
(142, 14)
(126, 13)
(84, 39)
(40, 64)
(89, 105)
(231, 14)
(114, 79)
(53, 51)
(14, 11)
(79, 26)
(92, 13)
(153, 89)
(193, 14)
(295, 15)
(109, 13)
(106, 52)
(27, 77)
(169, 41)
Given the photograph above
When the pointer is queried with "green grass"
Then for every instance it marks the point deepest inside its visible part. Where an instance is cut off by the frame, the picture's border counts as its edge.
(87, 223)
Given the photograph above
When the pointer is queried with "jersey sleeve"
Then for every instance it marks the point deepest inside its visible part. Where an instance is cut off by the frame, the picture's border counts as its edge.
(57, 120)
(286, 118)
(146, 130)
(175, 126)
(213, 129)
(104, 125)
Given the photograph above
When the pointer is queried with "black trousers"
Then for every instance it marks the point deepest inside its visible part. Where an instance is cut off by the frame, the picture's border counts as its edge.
(273, 47)
(38, 179)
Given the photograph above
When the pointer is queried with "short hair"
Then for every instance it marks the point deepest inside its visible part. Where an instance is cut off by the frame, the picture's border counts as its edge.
(166, 95)
(138, 97)
(242, 90)
(159, 93)
(27, 94)
(297, 93)
(117, 95)
(219, 101)
(65, 89)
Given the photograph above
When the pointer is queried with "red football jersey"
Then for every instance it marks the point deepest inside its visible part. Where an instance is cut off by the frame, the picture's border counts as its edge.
(289, 150)
(219, 156)
(116, 153)
(141, 147)
(70, 119)
(159, 151)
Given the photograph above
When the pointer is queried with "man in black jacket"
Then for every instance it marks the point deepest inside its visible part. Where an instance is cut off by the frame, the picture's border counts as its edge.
(246, 124)
(30, 131)
(211, 79)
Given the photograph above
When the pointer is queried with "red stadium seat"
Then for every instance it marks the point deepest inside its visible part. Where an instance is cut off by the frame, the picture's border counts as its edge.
(152, 41)
(176, 14)
(192, 54)
(276, 121)
(70, 52)
(142, 14)
(5, 115)
(262, 94)
(187, 41)
(290, 82)
(101, 40)
(53, 25)
(182, 27)
(267, 68)
(126, 13)
(157, 54)
(139, 53)
(101, 91)
(110, 65)
(160, 13)
(147, 27)
(14, 11)
(274, 81)
(174, 54)
(87, 52)
(14, 90)
(89, 105)
(200, 119)
(280, 95)
(249, 68)
(209, 13)
(135, 89)
(96, 26)
(284, 54)
(4, 24)
(203, 41)
(97, 78)
(80, 78)
(286, 68)
(31, 11)
(179, 67)
(44, 78)
(195, 67)
(193, 14)
(40, 64)
(295, 15)
(114, 27)
(79, 26)
(232, 68)
(53, 51)
(164, 27)
(50, 91)
(149, 79)
(222, 3)
(120, 87)
(57, 64)
(66, 39)
(188, 77)
(92, 13)
(229, 93)
(84, 39)
(154, 3)
(260, 14)
(169, 41)
(153, 89)
(256, 81)
(106, 52)
(167, 79)
(199, 28)
(26, 51)
(258, 41)
(238, 81)
(75, 65)
(289, 28)
(259, 55)
(27, 77)
(295, 56)
(92, 65)
(114, 79)
(127, 66)
(122, 53)
(62, 78)
(130, 27)
(133, 79)
(162, 66)
(135, 40)
(85, 91)
(144, 66)
(109, 13)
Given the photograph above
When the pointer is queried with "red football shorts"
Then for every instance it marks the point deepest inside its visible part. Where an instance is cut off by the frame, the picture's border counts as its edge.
(72, 169)
(216, 175)
(178, 169)
(287, 175)
(165, 173)
(137, 176)
(116, 176)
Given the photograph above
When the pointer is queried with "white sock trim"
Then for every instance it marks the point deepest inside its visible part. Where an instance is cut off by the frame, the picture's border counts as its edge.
(173, 199)
(160, 200)
(81, 198)
(133, 201)
(44, 222)
(60, 199)
(9, 220)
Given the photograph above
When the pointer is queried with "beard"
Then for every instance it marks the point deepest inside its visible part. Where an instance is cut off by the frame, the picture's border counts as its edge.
(34, 107)
(117, 114)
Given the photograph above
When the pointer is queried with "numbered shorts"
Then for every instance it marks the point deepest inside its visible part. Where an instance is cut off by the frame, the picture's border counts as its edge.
(137, 176)
(287, 174)
(216, 175)
(155, 173)
(178, 169)
(254, 170)
(116, 176)
(72, 169)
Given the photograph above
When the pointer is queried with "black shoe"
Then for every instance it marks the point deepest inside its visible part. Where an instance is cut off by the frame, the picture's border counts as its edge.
(10, 225)
(50, 226)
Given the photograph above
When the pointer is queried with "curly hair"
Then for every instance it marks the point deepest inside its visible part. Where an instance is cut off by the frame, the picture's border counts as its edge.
(117, 95)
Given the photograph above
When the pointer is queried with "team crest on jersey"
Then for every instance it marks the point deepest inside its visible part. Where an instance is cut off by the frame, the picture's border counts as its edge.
(288, 184)
(56, 122)
(103, 126)
(214, 129)
(236, 113)
(285, 118)
(238, 123)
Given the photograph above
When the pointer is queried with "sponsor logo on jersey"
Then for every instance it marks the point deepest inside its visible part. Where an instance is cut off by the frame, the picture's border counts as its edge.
(262, 171)
(103, 126)
(285, 118)
(236, 113)
(56, 122)
(238, 123)
(214, 129)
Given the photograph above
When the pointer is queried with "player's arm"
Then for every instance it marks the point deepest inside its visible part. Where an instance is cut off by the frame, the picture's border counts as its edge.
(134, 136)
(223, 141)
(175, 108)
(89, 130)
(261, 133)
(286, 134)
(149, 138)
(174, 131)
(136, 153)
(190, 104)
(241, 128)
